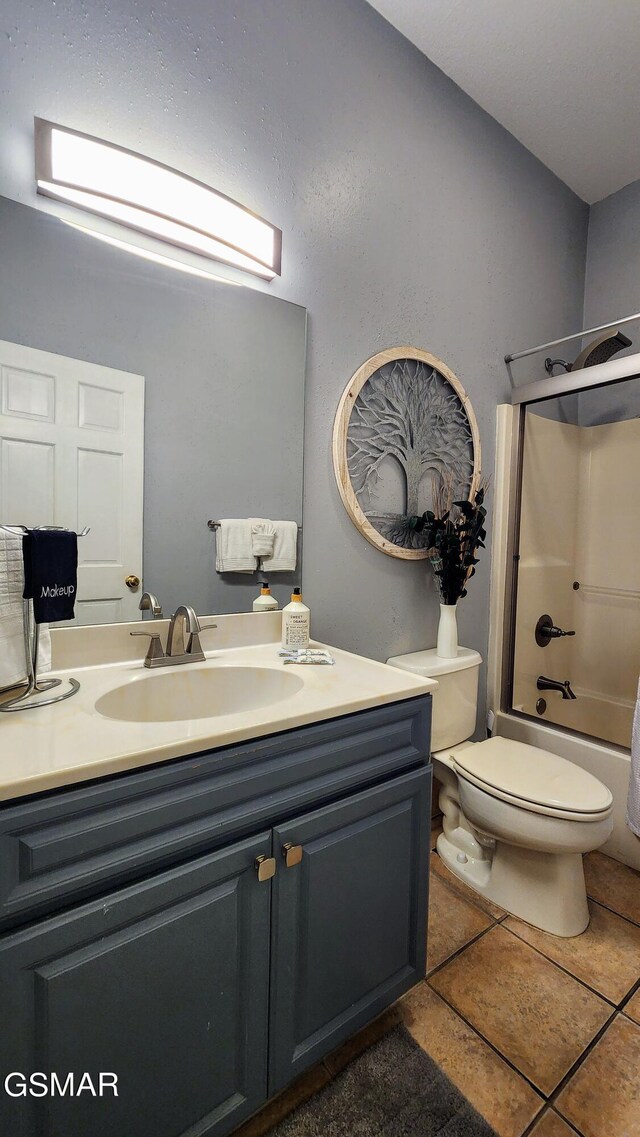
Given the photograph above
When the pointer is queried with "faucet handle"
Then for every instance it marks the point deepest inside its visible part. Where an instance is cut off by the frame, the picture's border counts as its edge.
(155, 650)
(194, 647)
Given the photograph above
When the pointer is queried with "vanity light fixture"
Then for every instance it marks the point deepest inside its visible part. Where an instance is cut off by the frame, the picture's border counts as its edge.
(155, 258)
(154, 199)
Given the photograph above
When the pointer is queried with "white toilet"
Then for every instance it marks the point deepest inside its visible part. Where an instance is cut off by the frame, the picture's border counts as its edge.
(516, 819)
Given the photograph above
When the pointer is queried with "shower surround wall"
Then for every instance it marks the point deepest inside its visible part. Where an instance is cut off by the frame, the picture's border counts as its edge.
(409, 216)
(578, 526)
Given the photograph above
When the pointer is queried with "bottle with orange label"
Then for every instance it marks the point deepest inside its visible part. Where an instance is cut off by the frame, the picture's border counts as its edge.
(295, 622)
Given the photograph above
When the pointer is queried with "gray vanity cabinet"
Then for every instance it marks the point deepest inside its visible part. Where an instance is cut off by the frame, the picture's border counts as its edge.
(349, 919)
(207, 984)
(164, 983)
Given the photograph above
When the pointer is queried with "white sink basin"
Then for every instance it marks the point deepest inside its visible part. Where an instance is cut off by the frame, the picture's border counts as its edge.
(198, 694)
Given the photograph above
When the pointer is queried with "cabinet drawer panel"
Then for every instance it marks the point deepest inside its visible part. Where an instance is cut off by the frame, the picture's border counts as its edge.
(164, 984)
(71, 844)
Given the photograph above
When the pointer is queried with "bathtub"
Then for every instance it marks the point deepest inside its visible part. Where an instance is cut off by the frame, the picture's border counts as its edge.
(607, 720)
(611, 764)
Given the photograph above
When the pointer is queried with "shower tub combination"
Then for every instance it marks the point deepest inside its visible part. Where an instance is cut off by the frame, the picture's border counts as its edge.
(552, 544)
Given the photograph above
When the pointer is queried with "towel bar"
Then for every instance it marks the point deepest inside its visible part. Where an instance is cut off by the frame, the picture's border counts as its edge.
(216, 524)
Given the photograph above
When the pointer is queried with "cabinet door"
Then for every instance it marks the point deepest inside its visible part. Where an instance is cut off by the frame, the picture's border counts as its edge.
(164, 984)
(349, 919)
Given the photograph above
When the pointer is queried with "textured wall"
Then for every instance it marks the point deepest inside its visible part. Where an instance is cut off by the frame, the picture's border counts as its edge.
(612, 284)
(408, 215)
(612, 289)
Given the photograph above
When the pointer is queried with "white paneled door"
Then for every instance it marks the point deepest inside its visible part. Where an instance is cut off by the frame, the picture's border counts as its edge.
(72, 454)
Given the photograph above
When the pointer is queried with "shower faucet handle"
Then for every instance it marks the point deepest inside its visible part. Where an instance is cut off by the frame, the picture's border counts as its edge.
(546, 631)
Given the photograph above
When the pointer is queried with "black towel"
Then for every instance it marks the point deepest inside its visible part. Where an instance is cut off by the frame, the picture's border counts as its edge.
(50, 573)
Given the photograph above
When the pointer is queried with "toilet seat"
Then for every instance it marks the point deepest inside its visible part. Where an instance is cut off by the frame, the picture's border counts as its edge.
(532, 779)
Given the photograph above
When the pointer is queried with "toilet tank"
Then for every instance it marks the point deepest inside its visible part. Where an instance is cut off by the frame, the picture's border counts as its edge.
(455, 703)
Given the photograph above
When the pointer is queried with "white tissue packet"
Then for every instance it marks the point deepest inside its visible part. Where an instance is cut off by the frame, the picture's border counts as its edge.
(306, 655)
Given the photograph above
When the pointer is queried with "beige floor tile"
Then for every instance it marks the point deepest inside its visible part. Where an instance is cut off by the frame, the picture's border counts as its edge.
(440, 869)
(453, 921)
(606, 956)
(276, 1110)
(338, 1059)
(537, 1016)
(496, 1091)
(613, 884)
(603, 1097)
(632, 1008)
(551, 1125)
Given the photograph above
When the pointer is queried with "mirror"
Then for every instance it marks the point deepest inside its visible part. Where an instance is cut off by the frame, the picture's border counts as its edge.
(577, 619)
(222, 372)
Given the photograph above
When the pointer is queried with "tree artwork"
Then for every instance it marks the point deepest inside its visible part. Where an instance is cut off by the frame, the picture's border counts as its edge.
(410, 410)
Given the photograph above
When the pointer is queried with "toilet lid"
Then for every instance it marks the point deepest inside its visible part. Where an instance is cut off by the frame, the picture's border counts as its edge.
(532, 775)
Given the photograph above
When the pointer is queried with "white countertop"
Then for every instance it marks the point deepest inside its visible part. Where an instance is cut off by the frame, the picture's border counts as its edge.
(70, 742)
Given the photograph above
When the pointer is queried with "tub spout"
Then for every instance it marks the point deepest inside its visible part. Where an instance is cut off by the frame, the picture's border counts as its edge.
(564, 687)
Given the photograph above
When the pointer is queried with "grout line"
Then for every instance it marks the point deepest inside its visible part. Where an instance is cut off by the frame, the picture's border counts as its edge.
(543, 1113)
(603, 904)
(565, 970)
(540, 1093)
(572, 1069)
(457, 952)
(553, 1097)
(629, 996)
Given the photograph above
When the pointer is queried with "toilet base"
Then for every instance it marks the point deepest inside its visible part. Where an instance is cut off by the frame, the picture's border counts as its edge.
(546, 890)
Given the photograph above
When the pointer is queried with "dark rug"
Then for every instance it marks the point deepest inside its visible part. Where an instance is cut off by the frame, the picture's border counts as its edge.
(394, 1089)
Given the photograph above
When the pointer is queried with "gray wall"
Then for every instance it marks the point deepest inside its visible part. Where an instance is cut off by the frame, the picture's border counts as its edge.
(409, 216)
(612, 289)
(224, 390)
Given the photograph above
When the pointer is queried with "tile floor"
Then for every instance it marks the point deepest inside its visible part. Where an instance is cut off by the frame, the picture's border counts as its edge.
(542, 1035)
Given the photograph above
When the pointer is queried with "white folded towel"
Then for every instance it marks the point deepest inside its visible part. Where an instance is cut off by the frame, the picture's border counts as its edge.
(13, 665)
(234, 551)
(633, 797)
(263, 535)
(285, 548)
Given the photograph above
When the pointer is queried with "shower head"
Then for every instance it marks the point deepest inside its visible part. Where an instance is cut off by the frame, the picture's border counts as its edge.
(598, 351)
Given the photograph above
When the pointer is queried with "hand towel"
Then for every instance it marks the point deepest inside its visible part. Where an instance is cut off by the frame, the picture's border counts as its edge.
(633, 797)
(234, 552)
(50, 573)
(13, 665)
(263, 536)
(285, 548)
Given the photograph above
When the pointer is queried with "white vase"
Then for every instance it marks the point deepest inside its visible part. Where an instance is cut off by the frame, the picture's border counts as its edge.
(447, 643)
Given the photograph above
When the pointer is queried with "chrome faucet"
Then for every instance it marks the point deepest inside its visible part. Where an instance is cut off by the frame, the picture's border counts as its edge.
(564, 688)
(150, 603)
(183, 640)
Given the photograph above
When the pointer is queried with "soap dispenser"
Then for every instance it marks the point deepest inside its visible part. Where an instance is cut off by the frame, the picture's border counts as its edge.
(265, 602)
(295, 622)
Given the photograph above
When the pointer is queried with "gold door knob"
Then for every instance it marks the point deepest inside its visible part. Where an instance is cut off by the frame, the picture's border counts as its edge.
(132, 581)
(292, 854)
(265, 867)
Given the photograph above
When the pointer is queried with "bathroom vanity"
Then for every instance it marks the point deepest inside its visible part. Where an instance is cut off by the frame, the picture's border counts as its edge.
(208, 926)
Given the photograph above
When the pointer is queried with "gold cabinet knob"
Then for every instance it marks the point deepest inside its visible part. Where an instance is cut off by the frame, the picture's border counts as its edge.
(292, 854)
(265, 867)
(132, 581)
